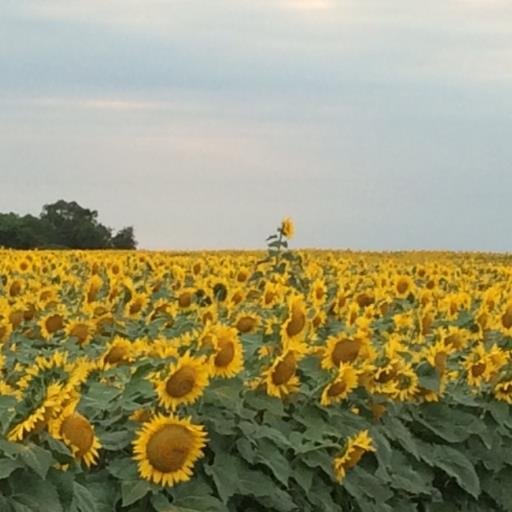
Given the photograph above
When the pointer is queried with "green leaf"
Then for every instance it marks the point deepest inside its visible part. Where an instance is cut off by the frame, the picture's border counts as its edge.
(132, 491)
(115, 441)
(99, 396)
(197, 504)
(454, 464)
(303, 475)
(497, 486)
(428, 377)
(123, 468)
(449, 423)
(83, 499)
(232, 476)
(36, 458)
(35, 493)
(270, 456)
(16, 506)
(366, 483)
(398, 432)
(7, 466)
(7, 410)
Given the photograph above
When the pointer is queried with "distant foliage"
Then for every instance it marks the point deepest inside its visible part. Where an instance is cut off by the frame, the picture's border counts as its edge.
(62, 225)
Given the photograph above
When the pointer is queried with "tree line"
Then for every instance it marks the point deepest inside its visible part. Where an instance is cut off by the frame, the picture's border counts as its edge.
(62, 225)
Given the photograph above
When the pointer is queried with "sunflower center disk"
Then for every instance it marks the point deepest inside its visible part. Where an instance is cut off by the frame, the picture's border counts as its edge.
(478, 369)
(169, 447)
(345, 351)
(246, 324)
(506, 319)
(80, 331)
(79, 432)
(181, 382)
(354, 457)
(115, 355)
(225, 355)
(284, 370)
(337, 388)
(54, 323)
(296, 323)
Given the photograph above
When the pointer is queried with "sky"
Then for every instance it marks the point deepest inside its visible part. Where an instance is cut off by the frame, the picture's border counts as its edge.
(374, 124)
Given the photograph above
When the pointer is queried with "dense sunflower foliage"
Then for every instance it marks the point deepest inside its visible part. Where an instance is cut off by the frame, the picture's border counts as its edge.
(286, 381)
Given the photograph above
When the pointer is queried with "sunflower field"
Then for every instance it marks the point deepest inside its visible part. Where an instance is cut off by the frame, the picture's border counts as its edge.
(255, 381)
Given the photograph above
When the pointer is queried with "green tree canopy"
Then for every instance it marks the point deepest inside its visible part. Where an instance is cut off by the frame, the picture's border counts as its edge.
(62, 224)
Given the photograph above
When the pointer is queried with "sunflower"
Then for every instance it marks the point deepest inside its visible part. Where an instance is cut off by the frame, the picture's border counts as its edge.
(272, 294)
(228, 358)
(345, 381)
(82, 330)
(50, 324)
(37, 419)
(341, 350)
(186, 298)
(403, 286)
(55, 363)
(183, 383)
(136, 305)
(5, 330)
(357, 446)
(482, 365)
(318, 293)
(246, 322)
(281, 378)
(166, 449)
(118, 351)
(504, 321)
(405, 382)
(503, 391)
(296, 324)
(77, 433)
(287, 228)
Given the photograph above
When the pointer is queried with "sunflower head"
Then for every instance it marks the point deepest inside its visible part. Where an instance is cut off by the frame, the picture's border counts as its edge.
(227, 359)
(287, 228)
(183, 383)
(357, 446)
(77, 433)
(166, 449)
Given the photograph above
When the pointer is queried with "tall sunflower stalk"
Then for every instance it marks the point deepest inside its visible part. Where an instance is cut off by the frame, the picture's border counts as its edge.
(279, 241)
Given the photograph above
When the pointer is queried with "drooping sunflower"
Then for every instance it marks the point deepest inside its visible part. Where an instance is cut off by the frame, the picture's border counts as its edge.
(137, 304)
(357, 446)
(287, 228)
(344, 382)
(281, 378)
(228, 357)
(503, 391)
(318, 293)
(77, 432)
(504, 320)
(183, 383)
(118, 351)
(5, 330)
(38, 418)
(296, 324)
(166, 449)
(482, 365)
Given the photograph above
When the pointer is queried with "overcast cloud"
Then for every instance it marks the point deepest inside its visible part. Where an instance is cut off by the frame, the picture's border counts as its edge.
(374, 124)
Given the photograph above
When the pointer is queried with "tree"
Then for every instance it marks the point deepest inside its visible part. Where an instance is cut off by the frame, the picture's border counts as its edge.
(124, 239)
(62, 224)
